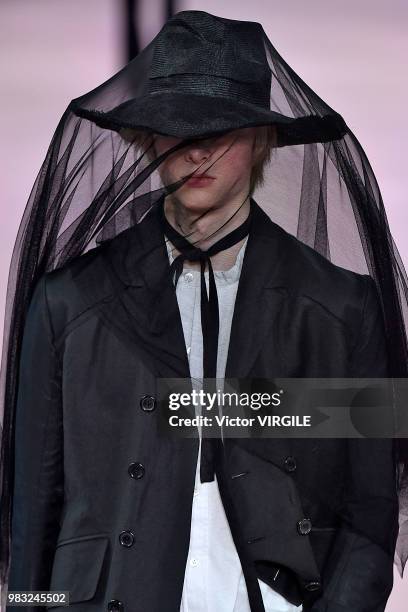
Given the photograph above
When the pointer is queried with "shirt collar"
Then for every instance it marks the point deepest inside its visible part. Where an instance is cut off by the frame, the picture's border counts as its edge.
(223, 277)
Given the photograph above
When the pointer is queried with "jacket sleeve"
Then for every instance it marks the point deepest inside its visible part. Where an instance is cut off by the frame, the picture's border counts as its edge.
(358, 576)
(38, 489)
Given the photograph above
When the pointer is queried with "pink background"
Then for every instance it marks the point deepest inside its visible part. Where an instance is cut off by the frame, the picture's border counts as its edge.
(350, 52)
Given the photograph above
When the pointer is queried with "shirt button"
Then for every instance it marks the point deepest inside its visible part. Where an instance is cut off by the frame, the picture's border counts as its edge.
(188, 350)
(188, 277)
(194, 562)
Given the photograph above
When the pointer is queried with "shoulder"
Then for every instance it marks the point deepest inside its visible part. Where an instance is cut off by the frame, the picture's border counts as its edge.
(322, 278)
(305, 271)
(79, 285)
(313, 278)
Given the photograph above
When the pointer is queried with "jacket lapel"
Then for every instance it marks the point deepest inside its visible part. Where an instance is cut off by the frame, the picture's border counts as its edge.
(141, 262)
(256, 306)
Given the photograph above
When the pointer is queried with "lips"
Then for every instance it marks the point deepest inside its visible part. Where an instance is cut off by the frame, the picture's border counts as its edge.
(198, 176)
(202, 180)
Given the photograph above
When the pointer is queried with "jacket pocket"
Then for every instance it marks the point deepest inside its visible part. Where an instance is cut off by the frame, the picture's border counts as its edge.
(77, 567)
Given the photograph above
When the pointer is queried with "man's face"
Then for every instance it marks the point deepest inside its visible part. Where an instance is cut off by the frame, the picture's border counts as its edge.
(227, 159)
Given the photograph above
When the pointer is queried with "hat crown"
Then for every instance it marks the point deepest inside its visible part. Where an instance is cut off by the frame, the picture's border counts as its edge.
(196, 42)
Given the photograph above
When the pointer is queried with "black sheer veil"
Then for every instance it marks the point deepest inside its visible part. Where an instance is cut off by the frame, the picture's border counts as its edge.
(98, 179)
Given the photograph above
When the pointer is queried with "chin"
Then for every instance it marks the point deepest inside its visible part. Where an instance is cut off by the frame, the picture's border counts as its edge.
(195, 200)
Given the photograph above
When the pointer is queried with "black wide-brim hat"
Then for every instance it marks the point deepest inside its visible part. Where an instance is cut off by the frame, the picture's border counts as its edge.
(203, 75)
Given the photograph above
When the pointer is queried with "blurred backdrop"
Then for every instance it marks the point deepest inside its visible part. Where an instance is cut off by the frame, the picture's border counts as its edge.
(54, 51)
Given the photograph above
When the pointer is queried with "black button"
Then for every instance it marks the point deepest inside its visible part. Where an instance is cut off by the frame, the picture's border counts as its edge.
(148, 403)
(304, 526)
(126, 538)
(290, 464)
(136, 470)
(114, 605)
(314, 585)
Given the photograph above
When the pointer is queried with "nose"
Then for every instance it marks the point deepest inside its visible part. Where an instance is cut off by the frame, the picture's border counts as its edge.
(197, 154)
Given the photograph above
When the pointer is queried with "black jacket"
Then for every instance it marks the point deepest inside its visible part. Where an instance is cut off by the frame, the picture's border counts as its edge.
(102, 501)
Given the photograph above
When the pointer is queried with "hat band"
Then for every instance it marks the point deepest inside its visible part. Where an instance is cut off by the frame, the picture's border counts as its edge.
(257, 93)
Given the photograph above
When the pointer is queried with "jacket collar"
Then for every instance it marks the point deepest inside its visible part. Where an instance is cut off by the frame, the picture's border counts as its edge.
(140, 260)
(140, 256)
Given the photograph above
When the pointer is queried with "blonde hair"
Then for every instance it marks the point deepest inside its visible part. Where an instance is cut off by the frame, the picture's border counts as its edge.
(265, 143)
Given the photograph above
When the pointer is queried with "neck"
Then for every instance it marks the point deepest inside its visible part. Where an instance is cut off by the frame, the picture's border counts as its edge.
(205, 230)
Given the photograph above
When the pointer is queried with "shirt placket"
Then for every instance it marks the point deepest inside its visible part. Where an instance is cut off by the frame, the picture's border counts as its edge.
(196, 575)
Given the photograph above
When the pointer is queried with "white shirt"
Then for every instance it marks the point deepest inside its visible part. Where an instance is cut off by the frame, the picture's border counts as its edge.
(214, 580)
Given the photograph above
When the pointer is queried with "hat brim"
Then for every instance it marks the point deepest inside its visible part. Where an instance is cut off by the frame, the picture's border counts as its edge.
(185, 115)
